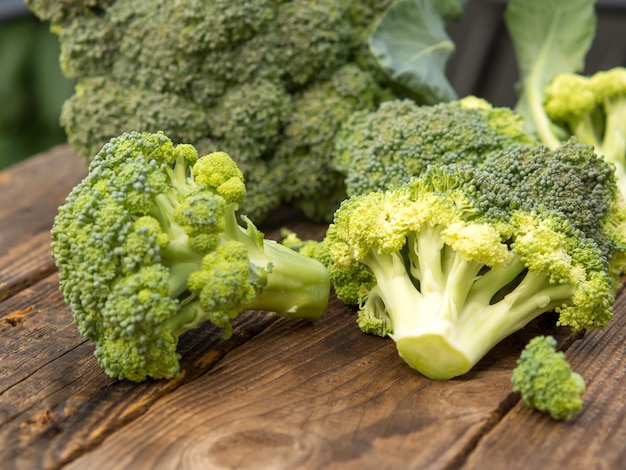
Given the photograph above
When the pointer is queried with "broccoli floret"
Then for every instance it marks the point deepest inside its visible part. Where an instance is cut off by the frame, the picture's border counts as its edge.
(148, 246)
(462, 257)
(239, 76)
(381, 149)
(546, 381)
(593, 109)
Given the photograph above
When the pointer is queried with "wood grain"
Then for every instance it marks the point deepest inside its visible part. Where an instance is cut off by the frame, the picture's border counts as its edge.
(595, 438)
(32, 191)
(55, 401)
(321, 395)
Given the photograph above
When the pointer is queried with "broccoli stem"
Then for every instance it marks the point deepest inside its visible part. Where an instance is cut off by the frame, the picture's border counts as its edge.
(444, 323)
(164, 214)
(585, 131)
(178, 255)
(297, 286)
(614, 143)
(543, 124)
(189, 316)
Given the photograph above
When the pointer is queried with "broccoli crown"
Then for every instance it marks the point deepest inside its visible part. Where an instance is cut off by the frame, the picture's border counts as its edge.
(234, 75)
(380, 149)
(148, 246)
(546, 381)
(461, 257)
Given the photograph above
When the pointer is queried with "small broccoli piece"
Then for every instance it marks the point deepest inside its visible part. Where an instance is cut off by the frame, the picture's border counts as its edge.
(546, 381)
(593, 109)
(148, 246)
(377, 150)
(461, 257)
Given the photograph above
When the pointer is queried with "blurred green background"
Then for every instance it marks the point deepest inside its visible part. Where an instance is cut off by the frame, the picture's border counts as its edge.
(32, 86)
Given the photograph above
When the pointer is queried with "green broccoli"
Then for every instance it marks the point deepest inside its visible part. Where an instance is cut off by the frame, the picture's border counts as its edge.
(148, 246)
(460, 257)
(241, 76)
(593, 109)
(384, 148)
(546, 381)
(319, 113)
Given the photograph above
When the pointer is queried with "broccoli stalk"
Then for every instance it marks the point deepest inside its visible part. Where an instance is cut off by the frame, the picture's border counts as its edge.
(148, 246)
(294, 287)
(455, 315)
(546, 381)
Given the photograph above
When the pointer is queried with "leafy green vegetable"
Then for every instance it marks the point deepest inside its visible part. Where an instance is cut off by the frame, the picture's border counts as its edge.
(412, 47)
(550, 37)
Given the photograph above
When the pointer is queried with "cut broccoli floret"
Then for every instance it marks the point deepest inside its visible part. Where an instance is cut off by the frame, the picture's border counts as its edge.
(462, 257)
(545, 380)
(148, 246)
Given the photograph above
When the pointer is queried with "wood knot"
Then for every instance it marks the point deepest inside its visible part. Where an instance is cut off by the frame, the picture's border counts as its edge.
(272, 447)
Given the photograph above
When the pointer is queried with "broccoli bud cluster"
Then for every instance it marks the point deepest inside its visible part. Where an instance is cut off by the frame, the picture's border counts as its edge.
(149, 246)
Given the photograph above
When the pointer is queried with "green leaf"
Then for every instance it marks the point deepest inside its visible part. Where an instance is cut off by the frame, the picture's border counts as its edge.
(549, 37)
(412, 46)
(449, 9)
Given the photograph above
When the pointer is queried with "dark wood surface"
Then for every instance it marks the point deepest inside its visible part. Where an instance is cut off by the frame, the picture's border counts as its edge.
(280, 394)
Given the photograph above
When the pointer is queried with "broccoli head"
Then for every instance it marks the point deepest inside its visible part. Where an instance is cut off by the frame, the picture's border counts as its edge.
(387, 147)
(148, 246)
(460, 257)
(545, 380)
(240, 76)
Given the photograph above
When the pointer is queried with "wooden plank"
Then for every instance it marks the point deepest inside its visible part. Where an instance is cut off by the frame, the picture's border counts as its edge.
(55, 401)
(321, 395)
(32, 191)
(594, 439)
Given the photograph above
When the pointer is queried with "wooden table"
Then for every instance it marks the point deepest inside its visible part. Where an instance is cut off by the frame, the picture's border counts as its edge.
(280, 394)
